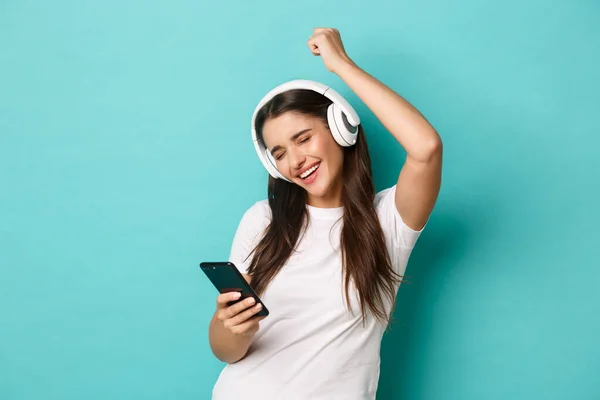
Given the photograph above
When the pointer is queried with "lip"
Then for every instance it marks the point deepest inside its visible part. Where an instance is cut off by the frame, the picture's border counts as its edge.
(306, 169)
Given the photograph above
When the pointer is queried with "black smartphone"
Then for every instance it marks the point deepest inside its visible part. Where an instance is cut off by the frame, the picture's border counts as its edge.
(226, 278)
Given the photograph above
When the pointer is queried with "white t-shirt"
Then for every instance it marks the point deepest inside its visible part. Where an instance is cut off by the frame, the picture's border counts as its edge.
(311, 346)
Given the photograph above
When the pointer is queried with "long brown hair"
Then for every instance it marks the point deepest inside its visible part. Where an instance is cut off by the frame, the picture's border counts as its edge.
(365, 260)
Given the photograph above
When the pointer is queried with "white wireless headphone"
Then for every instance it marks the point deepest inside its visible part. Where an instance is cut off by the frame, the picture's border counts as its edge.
(342, 119)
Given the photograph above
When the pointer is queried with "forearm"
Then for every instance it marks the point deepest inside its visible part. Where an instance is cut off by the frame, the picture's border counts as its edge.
(226, 346)
(414, 133)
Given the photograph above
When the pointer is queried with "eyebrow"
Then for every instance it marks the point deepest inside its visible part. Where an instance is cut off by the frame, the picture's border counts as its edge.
(274, 149)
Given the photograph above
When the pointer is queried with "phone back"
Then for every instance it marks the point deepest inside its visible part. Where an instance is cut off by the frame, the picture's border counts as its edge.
(227, 278)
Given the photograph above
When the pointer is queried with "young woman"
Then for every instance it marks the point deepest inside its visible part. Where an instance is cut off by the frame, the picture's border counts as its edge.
(324, 252)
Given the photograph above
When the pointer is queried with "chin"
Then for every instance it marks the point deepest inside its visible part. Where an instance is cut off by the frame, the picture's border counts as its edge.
(317, 191)
(319, 188)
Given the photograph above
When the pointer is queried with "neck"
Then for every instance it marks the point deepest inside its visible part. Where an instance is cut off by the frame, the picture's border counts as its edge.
(331, 199)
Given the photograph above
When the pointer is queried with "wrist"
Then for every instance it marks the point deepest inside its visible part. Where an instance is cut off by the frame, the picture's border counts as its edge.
(345, 67)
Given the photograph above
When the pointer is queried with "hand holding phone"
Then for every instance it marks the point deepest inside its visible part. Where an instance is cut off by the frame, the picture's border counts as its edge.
(238, 307)
(240, 317)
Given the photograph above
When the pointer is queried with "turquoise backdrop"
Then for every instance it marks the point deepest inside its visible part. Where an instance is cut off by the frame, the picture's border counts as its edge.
(126, 159)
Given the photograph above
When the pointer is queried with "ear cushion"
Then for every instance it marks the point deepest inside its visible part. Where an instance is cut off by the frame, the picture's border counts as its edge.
(343, 132)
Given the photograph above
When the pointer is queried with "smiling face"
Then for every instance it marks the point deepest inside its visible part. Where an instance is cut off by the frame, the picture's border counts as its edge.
(307, 155)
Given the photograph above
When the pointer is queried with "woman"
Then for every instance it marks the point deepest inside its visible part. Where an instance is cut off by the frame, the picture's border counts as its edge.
(324, 251)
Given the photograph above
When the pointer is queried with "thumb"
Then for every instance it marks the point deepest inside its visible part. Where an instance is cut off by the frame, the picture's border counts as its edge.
(313, 46)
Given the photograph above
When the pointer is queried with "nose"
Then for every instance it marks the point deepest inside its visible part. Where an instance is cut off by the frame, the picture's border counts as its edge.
(296, 158)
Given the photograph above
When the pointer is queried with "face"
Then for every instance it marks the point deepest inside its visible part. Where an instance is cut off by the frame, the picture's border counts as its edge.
(307, 154)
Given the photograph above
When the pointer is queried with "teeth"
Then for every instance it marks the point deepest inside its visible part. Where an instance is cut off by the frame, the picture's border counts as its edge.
(309, 171)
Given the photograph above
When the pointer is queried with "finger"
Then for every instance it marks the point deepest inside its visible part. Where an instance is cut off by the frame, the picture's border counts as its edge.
(318, 30)
(238, 307)
(250, 326)
(313, 47)
(245, 315)
(225, 298)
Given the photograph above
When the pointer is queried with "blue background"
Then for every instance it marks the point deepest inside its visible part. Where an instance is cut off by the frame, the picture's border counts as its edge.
(126, 159)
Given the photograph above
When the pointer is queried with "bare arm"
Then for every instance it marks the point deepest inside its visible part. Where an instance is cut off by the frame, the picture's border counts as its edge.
(419, 180)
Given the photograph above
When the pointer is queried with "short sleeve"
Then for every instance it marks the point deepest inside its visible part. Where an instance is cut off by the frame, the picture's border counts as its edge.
(248, 234)
(400, 238)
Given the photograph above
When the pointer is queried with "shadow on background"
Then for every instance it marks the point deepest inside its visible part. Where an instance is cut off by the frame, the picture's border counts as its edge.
(441, 244)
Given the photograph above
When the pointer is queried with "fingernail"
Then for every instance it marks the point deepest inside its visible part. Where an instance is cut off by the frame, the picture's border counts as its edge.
(251, 300)
(237, 295)
(258, 306)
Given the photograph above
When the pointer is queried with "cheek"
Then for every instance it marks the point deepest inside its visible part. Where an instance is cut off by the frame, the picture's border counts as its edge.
(335, 156)
(282, 165)
(325, 147)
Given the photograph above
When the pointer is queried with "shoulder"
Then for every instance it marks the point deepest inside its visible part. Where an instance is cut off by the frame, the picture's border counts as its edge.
(383, 194)
(251, 227)
(385, 200)
(258, 210)
(249, 231)
(391, 221)
(256, 217)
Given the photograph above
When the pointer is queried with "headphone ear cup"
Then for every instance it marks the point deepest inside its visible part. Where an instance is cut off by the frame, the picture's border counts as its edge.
(343, 132)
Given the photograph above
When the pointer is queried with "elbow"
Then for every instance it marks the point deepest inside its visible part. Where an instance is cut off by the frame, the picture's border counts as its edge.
(227, 359)
(227, 355)
(429, 150)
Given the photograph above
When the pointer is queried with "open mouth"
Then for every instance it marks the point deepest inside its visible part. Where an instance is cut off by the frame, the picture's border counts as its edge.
(309, 173)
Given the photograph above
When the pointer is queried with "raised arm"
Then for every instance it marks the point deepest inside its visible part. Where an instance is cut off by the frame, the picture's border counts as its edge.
(419, 179)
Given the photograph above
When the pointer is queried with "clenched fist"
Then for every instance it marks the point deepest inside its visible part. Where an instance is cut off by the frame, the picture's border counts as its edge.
(327, 43)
